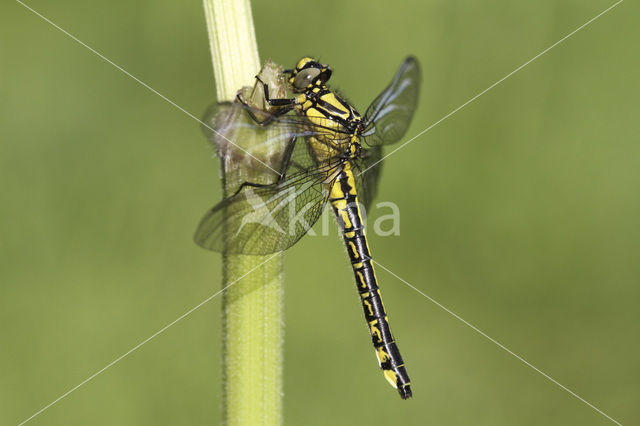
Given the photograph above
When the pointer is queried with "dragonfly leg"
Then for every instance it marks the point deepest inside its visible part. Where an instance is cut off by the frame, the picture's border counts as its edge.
(275, 101)
(286, 158)
(271, 116)
(252, 185)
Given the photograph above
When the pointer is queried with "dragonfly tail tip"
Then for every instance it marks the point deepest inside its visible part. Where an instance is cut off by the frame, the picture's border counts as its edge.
(405, 392)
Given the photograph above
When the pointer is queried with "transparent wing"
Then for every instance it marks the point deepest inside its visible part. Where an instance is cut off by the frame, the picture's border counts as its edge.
(389, 116)
(263, 219)
(367, 178)
(234, 131)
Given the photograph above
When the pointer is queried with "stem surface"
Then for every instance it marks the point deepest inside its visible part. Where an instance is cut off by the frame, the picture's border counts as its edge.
(252, 308)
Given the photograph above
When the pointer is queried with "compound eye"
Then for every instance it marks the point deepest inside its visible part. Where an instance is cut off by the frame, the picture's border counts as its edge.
(305, 77)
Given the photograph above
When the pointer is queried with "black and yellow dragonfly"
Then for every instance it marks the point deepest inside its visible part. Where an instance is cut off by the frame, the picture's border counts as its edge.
(330, 154)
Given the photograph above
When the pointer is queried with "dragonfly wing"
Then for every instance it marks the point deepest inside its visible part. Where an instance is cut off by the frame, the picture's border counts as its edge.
(239, 140)
(389, 116)
(366, 177)
(260, 219)
(264, 219)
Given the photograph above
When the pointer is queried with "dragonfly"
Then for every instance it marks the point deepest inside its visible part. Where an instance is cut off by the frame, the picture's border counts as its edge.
(328, 154)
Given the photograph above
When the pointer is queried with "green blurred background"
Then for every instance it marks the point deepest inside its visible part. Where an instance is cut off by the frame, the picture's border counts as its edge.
(520, 213)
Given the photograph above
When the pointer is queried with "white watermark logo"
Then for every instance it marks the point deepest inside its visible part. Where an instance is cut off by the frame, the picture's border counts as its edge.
(284, 213)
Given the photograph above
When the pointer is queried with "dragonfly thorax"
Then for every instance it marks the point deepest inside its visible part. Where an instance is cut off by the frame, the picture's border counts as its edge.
(318, 102)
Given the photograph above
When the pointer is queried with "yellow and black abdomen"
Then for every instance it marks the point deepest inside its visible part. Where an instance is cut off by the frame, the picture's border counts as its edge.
(344, 201)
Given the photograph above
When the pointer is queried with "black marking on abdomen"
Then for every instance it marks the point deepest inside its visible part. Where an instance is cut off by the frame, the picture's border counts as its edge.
(349, 219)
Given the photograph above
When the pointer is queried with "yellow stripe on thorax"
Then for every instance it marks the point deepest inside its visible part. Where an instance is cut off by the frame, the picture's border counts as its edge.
(338, 109)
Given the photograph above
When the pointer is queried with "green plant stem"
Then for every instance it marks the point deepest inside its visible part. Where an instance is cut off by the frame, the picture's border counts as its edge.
(252, 307)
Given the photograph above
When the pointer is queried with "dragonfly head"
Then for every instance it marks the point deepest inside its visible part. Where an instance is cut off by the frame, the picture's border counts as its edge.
(307, 74)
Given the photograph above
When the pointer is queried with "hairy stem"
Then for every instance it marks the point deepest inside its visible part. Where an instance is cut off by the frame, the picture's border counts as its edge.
(252, 307)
